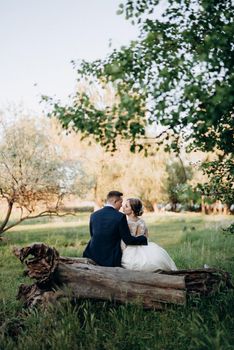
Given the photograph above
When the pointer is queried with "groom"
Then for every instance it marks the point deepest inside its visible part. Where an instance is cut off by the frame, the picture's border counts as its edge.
(107, 227)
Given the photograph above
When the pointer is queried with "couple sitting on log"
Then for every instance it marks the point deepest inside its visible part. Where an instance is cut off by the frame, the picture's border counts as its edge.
(115, 242)
(119, 239)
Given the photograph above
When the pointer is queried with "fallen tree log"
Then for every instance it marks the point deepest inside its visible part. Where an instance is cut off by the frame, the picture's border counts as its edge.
(58, 277)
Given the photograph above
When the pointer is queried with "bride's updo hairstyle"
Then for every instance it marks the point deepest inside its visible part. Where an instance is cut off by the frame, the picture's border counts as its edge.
(136, 205)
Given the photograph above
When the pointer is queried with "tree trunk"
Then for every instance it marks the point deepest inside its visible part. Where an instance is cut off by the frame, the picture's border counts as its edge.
(155, 206)
(203, 208)
(225, 210)
(8, 214)
(81, 278)
(208, 209)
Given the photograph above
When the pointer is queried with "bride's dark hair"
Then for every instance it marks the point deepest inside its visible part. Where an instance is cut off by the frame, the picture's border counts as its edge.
(136, 205)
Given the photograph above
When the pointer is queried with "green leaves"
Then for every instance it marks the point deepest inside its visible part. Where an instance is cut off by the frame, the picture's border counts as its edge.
(179, 73)
(221, 176)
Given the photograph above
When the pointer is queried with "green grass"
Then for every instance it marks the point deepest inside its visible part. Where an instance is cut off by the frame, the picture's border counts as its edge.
(191, 239)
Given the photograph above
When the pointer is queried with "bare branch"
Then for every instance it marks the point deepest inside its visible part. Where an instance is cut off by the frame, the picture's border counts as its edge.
(157, 136)
(52, 213)
(8, 169)
(4, 195)
(59, 200)
(45, 213)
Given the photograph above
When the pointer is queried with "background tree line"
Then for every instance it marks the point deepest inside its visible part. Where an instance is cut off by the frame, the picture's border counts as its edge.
(45, 170)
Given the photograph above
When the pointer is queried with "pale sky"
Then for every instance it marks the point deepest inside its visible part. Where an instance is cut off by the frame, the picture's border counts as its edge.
(39, 38)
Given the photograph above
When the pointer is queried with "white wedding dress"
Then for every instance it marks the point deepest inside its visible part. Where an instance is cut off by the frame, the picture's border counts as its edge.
(145, 258)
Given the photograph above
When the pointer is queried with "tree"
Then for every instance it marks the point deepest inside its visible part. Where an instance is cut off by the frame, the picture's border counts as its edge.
(105, 173)
(99, 171)
(178, 75)
(133, 174)
(177, 185)
(145, 178)
(33, 176)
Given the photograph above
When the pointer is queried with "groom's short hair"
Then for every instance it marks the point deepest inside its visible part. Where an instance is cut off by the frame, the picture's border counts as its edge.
(112, 194)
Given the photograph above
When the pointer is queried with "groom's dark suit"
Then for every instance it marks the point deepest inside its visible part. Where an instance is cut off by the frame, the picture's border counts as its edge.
(107, 227)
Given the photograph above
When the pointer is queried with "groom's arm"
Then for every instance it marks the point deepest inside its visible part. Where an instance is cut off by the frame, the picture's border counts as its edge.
(90, 226)
(126, 235)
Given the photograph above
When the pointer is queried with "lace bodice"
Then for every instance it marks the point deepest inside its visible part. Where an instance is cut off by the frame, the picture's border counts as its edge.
(138, 227)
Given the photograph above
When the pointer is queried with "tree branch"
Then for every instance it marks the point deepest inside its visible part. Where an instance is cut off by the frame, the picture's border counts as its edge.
(42, 214)
(4, 195)
(8, 169)
(157, 136)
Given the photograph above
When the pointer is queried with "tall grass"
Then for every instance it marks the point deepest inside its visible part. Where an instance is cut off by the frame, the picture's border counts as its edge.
(192, 241)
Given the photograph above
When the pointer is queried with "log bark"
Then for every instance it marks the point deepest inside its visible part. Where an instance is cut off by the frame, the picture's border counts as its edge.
(60, 277)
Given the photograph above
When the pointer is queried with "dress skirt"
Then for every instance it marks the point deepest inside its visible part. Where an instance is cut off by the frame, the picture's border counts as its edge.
(149, 258)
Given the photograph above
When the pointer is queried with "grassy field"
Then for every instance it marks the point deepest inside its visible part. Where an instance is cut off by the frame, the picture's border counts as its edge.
(191, 239)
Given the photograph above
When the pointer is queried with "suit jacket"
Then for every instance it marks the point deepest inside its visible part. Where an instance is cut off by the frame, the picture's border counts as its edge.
(107, 227)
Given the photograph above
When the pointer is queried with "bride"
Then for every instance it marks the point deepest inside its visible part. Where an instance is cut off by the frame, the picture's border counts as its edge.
(142, 258)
